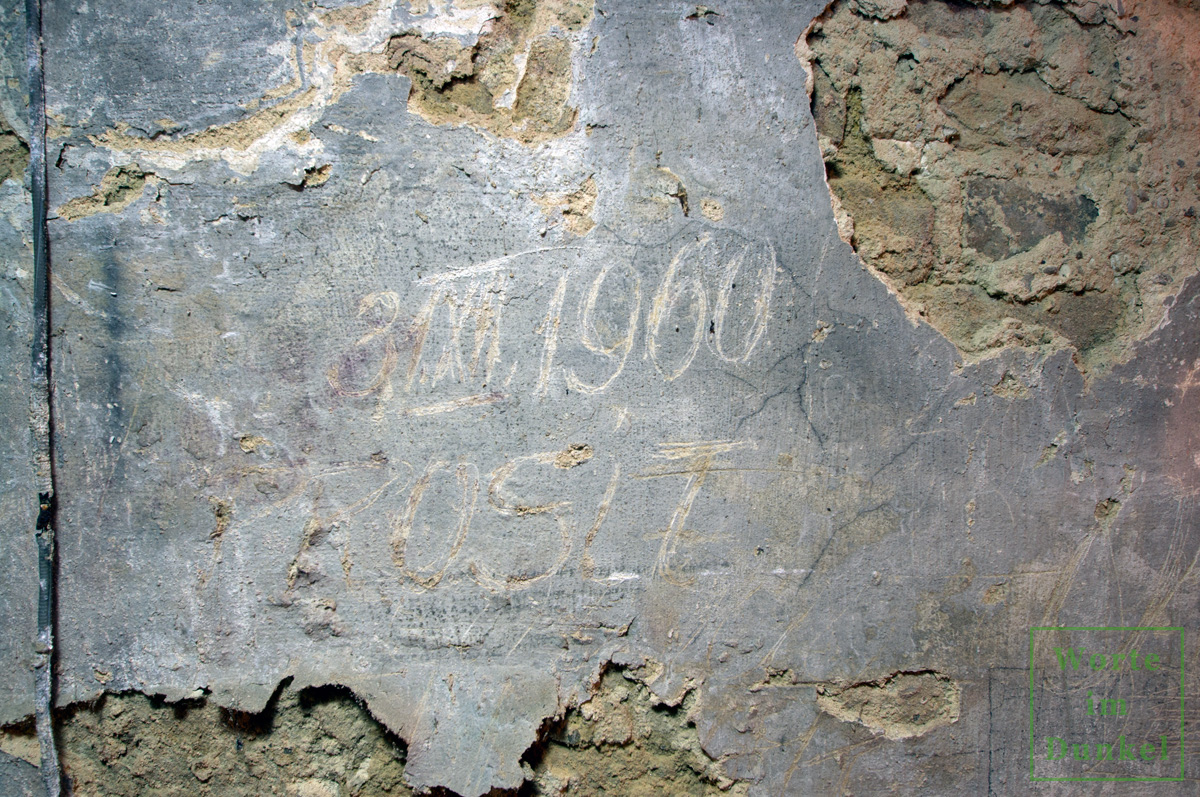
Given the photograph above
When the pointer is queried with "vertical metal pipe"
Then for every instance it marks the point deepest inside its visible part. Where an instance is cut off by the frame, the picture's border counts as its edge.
(40, 405)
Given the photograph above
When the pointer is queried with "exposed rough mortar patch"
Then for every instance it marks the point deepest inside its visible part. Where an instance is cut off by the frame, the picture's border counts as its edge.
(899, 706)
(656, 193)
(313, 742)
(711, 209)
(514, 80)
(574, 208)
(574, 454)
(458, 57)
(323, 741)
(893, 224)
(250, 443)
(14, 153)
(1010, 387)
(20, 741)
(312, 177)
(240, 144)
(675, 189)
(1021, 176)
(624, 741)
(120, 187)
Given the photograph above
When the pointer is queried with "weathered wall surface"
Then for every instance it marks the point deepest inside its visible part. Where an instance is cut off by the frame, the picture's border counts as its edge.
(1034, 166)
(511, 368)
(18, 558)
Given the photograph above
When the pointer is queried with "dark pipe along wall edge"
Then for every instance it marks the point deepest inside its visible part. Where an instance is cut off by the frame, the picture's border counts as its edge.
(40, 404)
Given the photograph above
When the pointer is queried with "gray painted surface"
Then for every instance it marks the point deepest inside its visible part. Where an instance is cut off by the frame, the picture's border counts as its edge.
(18, 495)
(320, 433)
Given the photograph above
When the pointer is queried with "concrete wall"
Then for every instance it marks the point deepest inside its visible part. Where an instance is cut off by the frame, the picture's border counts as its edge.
(516, 371)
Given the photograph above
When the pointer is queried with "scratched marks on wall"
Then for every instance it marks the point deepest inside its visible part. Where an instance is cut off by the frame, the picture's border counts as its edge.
(439, 368)
(603, 305)
(354, 408)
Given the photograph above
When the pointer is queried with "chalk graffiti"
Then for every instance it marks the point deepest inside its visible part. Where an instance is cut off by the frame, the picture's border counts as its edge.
(440, 506)
(458, 340)
(550, 322)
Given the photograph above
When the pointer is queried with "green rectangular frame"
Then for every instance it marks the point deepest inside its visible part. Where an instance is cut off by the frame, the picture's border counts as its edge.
(1182, 682)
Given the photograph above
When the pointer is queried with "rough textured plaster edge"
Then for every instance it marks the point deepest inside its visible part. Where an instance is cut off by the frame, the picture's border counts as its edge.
(842, 219)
